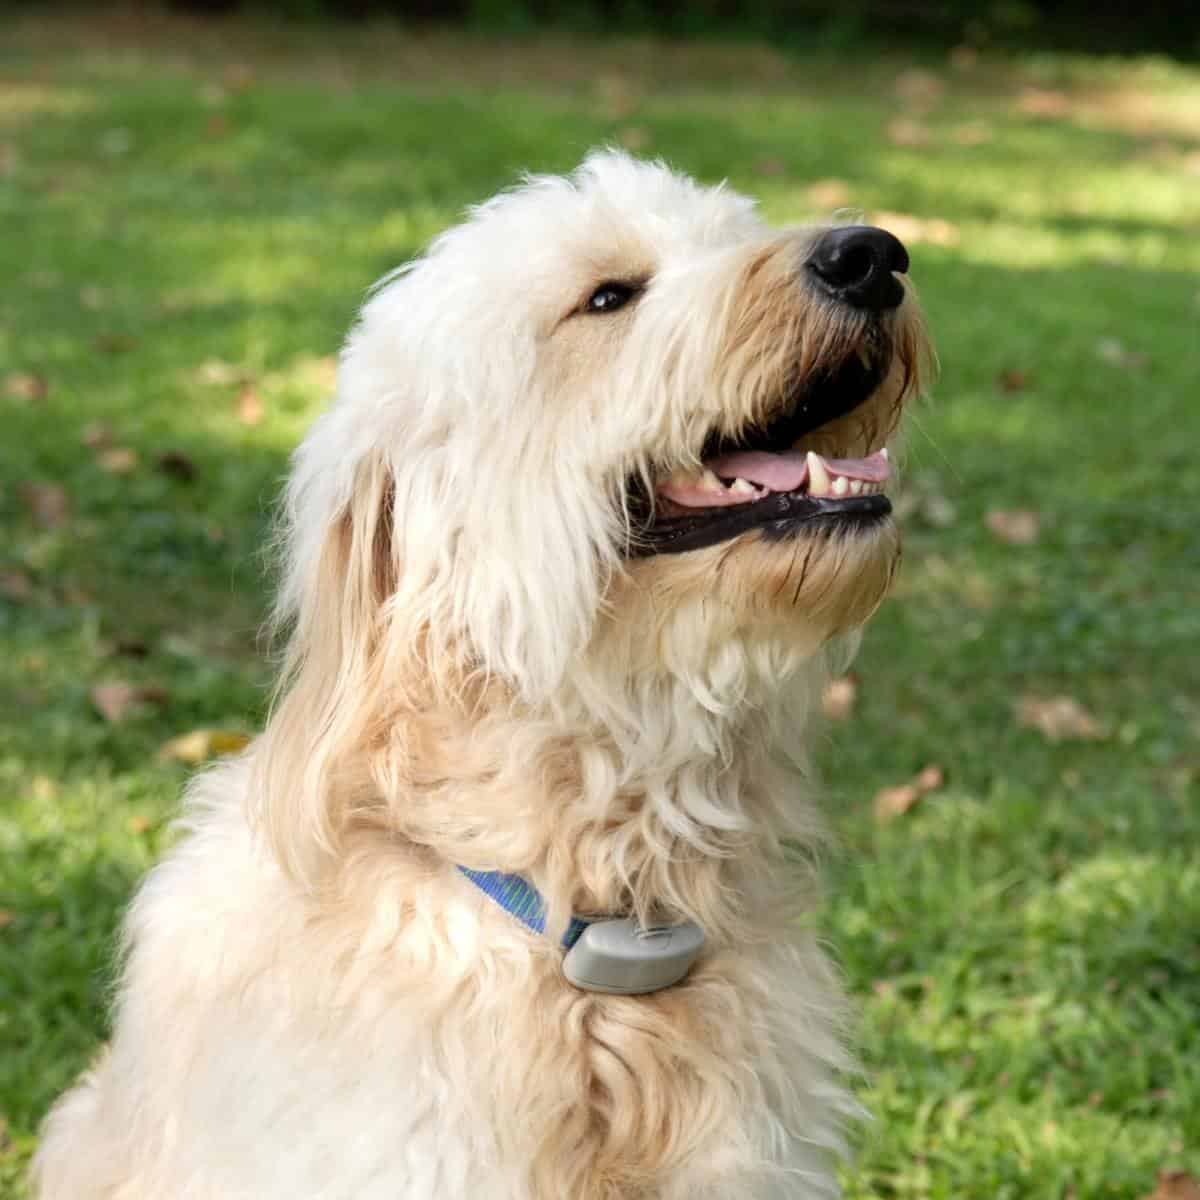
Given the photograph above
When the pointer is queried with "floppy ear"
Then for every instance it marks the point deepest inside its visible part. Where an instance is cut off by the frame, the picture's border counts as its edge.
(340, 569)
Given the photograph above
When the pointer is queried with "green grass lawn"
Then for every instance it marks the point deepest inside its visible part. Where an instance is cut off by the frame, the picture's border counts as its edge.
(189, 218)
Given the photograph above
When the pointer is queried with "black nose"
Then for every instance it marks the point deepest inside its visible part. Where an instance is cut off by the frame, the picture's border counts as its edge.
(856, 264)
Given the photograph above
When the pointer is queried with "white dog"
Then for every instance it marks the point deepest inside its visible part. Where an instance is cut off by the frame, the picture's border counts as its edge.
(602, 480)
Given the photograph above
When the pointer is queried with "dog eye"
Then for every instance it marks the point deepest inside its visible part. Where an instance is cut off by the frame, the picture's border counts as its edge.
(608, 297)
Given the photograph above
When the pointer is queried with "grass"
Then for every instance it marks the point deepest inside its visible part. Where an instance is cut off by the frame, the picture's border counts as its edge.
(193, 211)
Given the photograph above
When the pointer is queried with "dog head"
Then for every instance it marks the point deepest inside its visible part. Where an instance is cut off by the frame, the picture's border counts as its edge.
(610, 408)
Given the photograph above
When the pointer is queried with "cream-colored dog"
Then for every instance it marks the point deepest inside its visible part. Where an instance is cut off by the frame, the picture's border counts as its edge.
(603, 479)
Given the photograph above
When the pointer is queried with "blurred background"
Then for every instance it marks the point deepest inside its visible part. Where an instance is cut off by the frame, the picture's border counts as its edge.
(193, 200)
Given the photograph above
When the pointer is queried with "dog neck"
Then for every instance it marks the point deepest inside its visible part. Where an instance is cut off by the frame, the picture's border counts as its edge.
(674, 807)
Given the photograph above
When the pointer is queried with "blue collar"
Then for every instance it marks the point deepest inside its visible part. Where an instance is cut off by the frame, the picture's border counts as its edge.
(520, 898)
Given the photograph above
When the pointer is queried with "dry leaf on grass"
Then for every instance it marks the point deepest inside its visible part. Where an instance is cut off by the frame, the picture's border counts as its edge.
(139, 824)
(1017, 527)
(114, 343)
(118, 460)
(202, 744)
(7, 917)
(634, 137)
(96, 435)
(249, 406)
(972, 133)
(1012, 380)
(839, 697)
(16, 585)
(933, 231)
(919, 89)
(892, 802)
(218, 373)
(771, 166)
(829, 193)
(1043, 102)
(1059, 718)
(48, 503)
(25, 385)
(904, 131)
(116, 699)
(1175, 1185)
(963, 58)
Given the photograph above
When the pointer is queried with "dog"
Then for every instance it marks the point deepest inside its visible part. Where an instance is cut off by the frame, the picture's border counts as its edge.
(601, 491)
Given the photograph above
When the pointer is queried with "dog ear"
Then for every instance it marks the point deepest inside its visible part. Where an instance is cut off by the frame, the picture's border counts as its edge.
(340, 570)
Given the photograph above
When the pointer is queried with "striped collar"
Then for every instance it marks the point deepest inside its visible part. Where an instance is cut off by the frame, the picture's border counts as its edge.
(520, 898)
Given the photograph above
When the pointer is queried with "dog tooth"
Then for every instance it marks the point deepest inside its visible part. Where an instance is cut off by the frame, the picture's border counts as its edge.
(856, 487)
(884, 452)
(841, 485)
(818, 476)
(742, 487)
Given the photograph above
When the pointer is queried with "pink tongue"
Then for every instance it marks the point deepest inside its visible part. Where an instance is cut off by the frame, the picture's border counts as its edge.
(788, 471)
(779, 472)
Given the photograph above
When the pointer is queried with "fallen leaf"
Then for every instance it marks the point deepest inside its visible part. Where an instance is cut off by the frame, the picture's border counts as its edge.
(918, 88)
(1017, 527)
(217, 125)
(7, 917)
(1175, 1185)
(96, 435)
(619, 97)
(1012, 380)
(1113, 352)
(47, 502)
(249, 406)
(1059, 718)
(202, 744)
(933, 231)
(964, 58)
(904, 131)
(25, 385)
(177, 465)
(323, 371)
(16, 585)
(118, 460)
(891, 802)
(220, 373)
(930, 778)
(829, 193)
(771, 166)
(971, 133)
(1043, 102)
(238, 76)
(839, 697)
(114, 343)
(115, 700)
(634, 137)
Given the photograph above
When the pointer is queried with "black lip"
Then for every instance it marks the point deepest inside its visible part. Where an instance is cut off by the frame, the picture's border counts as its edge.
(779, 515)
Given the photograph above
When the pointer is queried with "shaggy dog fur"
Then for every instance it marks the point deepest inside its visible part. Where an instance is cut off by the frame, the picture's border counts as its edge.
(482, 672)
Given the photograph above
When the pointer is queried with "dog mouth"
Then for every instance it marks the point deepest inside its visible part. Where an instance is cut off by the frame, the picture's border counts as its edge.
(765, 478)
